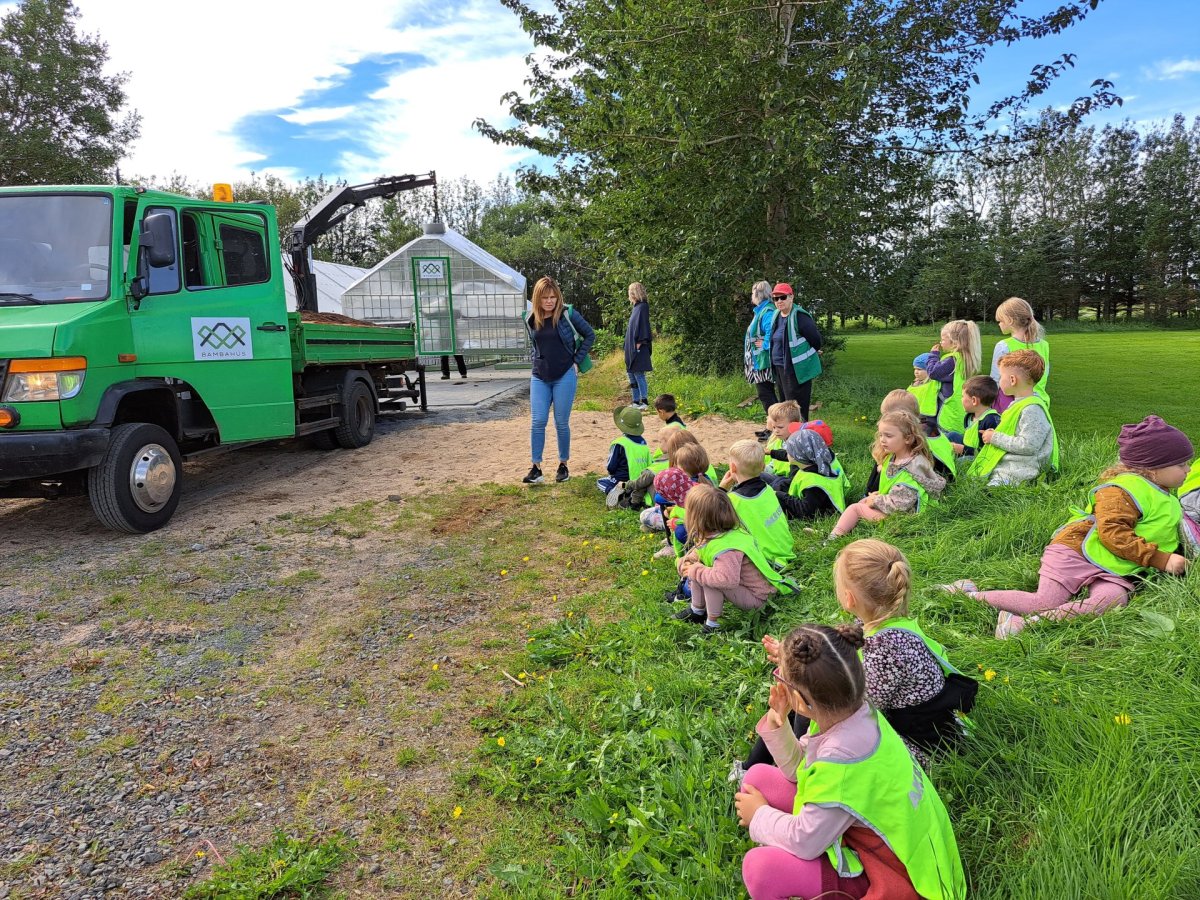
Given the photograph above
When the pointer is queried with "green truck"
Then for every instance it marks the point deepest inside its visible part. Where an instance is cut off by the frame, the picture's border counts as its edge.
(140, 328)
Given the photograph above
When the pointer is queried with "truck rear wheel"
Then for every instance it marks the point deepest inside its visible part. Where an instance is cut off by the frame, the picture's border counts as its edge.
(136, 487)
(358, 417)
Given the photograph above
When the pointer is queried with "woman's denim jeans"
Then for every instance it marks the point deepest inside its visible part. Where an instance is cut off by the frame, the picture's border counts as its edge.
(637, 386)
(542, 395)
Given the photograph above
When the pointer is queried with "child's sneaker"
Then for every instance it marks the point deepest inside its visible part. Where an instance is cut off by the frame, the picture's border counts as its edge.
(614, 496)
(534, 476)
(736, 772)
(562, 474)
(962, 586)
(665, 552)
(710, 628)
(1009, 624)
(687, 614)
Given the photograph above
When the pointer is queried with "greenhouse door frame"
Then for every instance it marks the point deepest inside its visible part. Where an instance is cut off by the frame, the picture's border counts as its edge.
(433, 276)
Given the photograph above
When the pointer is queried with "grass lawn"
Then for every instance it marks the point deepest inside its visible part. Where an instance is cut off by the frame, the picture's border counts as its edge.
(1081, 778)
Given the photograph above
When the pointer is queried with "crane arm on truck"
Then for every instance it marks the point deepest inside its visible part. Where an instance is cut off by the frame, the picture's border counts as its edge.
(330, 212)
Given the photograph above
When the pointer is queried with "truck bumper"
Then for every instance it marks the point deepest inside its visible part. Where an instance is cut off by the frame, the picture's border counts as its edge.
(37, 454)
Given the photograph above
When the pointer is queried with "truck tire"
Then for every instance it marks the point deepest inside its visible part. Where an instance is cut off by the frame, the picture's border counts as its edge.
(324, 440)
(136, 487)
(358, 417)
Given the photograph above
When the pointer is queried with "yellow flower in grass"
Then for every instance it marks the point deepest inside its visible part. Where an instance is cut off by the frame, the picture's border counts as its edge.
(504, 571)
(457, 812)
(435, 667)
(499, 742)
(524, 559)
(537, 761)
(989, 674)
(585, 543)
(1122, 719)
(645, 571)
(613, 817)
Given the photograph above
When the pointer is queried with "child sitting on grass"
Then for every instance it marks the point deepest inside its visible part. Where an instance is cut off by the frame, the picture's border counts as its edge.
(665, 409)
(756, 504)
(723, 562)
(638, 491)
(924, 388)
(1189, 499)
(845, 809)
(628, 454)
(907, 481)
(671, 488)
(1130, 526)
(939, 445)
(978, 399)
(818, 484)
(779, 421)
(909, 678)
(960, 339)
(1024, 444)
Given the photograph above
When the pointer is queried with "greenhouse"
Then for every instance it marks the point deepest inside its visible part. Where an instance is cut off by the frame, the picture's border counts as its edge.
(463, 299)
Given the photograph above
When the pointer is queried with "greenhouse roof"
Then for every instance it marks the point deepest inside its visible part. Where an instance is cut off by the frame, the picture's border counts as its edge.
(332, 281)
(459, 244)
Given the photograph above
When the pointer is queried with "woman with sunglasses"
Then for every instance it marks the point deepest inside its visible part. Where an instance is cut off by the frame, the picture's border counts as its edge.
(795, 345)
(845, 808)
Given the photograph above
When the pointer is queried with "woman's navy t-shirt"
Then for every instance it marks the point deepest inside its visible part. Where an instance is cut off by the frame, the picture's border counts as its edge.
(551, 358)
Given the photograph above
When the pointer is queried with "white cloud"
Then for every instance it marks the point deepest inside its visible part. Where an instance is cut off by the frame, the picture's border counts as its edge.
(1165, 70)
(262, 57)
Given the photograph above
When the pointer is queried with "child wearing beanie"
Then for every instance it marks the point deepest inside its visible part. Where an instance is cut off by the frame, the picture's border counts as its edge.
(1130, 526)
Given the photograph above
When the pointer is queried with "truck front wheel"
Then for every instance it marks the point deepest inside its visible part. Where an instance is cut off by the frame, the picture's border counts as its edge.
(358, 417)
(136, 487)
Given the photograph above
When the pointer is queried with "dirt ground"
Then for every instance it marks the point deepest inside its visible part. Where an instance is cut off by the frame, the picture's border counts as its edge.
(293, 650)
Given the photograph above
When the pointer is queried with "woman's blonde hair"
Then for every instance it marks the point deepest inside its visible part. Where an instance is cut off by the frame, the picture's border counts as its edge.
(760, 292)
(1020, 314)
(637, 292)
(709, 512)
(910, 429)
(545, 285)
(965, 337)
(879, 575)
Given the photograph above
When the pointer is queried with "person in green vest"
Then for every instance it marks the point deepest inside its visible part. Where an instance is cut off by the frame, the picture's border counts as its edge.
(756, 504)
(818, 483)
(795, 345)
(1129, 527)
(924, 388)
(845, 809)
(1016, 319)
(907, 481)
(638, 491)
(940, 447)
(723, 563)
(978, 400)
(908, 675)
(1023, 445)
(628, 454)
(1189, 499)
(780, 421)
(953, 360)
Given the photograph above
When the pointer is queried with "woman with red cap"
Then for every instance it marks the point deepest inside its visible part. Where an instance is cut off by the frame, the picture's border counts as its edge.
(795, 341)
(1130, 526)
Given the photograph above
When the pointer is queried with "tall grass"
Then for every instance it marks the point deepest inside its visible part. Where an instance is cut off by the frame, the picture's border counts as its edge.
(1080, 779)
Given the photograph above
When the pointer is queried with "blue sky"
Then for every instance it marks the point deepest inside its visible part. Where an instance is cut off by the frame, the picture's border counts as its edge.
(368, 87)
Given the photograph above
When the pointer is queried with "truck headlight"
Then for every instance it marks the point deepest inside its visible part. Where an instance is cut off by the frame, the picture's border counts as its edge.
(44, 379)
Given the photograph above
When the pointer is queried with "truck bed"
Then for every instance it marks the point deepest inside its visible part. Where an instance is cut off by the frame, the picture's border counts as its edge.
(323, 339)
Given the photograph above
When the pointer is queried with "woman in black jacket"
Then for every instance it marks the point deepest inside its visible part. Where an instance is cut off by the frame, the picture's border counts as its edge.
(637, 346)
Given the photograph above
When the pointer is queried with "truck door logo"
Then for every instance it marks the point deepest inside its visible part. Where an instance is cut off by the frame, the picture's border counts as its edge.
(221, 338)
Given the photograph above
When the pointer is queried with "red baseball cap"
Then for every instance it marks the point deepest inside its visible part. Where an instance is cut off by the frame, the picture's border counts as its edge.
(784, 289)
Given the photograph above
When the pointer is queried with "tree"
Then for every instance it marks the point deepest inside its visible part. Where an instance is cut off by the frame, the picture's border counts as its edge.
(60, 115)
(704, 144)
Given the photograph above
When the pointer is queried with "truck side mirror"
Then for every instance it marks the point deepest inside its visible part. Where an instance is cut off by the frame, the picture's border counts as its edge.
(158, 237)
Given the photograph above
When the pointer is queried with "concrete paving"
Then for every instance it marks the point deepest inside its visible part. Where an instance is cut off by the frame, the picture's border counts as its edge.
(482, 387)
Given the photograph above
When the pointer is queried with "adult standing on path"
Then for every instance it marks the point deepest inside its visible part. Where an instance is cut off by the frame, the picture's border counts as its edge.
(561, 339)
(1015, 318)
(756, 356)
(638, 346)
(795, 341)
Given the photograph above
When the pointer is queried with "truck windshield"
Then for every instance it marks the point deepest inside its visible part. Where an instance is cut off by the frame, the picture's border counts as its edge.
(54, 248)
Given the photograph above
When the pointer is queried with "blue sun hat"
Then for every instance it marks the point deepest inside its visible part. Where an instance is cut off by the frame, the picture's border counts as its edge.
(922, 361)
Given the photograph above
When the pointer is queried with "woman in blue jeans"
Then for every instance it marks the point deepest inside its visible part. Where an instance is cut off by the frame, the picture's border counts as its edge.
(561, 340)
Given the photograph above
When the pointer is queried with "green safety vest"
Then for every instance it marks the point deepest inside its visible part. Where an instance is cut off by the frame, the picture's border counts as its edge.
(1042, 349)
(763, 517)
(760, 357)
(891, 794)
(926, 394)
(903, 477)
(989, 455)
(971, 432)
(906, 623)
(779, 466)
(1159, 524)
(745, 542)
(834, 486)
(950, 417)
(1192, 482)
(805, 361)
(637, 456)
(942, 450)
(656, 455)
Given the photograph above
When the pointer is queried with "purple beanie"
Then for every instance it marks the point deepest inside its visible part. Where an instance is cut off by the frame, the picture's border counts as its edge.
(1153, 444)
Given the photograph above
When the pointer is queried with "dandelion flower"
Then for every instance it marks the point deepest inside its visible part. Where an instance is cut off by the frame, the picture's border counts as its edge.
(200, 854)
(1122, 719)
(613, 817)
(537, 761)
(585, 543)
(989, 674)
(435, 667)
(650, 689)
(749, 707)
(457, 812)
(499, 742)
(521, 675)
(504, 571)
(645, 571)
(411, 636)
(569, 613)
(524, 559)
(554, 598)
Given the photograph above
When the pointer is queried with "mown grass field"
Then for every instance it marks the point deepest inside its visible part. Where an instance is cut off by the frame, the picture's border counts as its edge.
(1081, 779)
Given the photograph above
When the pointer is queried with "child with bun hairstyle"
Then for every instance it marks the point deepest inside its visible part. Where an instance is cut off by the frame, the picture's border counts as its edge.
(907, 481)
(961, 343)
(908, 677)
(1130, 527)
(845, 811)
(723, 562)
(1015, 318)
